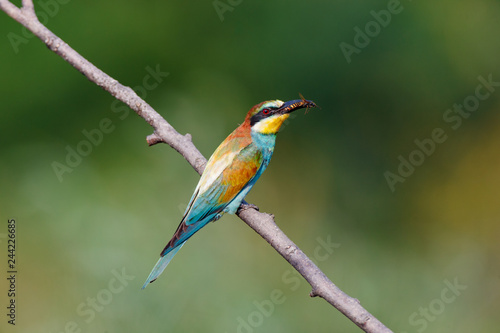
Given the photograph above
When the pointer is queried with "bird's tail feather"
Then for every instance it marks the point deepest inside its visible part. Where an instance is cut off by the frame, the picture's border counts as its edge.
(161, 265)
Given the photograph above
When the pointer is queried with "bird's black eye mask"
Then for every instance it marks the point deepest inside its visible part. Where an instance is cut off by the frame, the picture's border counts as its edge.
(264, 113)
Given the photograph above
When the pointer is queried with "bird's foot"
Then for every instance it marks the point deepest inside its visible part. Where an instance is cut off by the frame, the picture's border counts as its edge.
(245, 205)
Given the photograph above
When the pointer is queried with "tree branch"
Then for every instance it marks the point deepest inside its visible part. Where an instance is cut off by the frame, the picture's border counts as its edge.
(262, 223)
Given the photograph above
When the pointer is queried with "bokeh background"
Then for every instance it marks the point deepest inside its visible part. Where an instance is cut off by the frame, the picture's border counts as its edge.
(399, 251)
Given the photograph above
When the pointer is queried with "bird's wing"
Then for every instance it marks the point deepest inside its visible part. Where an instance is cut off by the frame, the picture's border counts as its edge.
(220, 183)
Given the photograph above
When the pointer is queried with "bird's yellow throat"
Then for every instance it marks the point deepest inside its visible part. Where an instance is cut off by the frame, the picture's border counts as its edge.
(270, 125)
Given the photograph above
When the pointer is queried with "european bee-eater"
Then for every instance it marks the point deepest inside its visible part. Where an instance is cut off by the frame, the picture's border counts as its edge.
(230, 173)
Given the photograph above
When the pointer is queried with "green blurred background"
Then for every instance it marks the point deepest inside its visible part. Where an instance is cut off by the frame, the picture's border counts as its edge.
(397, 251)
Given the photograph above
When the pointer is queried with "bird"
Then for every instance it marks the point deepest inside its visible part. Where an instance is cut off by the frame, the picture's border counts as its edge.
(230, 173)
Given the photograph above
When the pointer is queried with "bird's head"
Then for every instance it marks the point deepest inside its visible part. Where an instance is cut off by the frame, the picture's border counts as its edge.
(267, 117)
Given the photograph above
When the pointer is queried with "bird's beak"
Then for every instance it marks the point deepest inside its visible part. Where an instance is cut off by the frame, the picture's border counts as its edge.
(296, 104)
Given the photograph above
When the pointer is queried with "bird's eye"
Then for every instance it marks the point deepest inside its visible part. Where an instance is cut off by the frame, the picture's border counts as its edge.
(266, 111)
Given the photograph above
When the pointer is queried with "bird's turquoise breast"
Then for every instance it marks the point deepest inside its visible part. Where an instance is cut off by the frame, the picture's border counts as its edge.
(264, 142)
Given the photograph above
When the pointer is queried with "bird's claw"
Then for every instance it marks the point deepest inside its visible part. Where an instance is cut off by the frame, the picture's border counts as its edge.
(245, 205)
